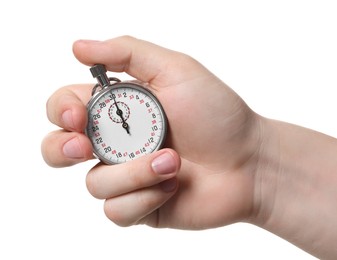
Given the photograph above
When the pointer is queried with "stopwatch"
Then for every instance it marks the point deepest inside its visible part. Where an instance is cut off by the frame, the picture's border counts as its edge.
(125, 119)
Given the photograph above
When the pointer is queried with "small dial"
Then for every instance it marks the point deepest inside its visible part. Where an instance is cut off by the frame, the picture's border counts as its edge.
(114, 114)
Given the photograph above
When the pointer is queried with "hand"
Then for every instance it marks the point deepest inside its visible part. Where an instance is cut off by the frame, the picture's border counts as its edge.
(203, 178)
(222, 162)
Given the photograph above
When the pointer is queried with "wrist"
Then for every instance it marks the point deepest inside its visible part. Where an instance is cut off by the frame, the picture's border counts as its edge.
(265, 174)
(294, 186)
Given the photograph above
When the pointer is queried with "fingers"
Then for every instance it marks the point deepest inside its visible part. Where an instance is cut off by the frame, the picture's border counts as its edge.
(67, 109)
(142, 60)
(61, 148)
(110, 181)
(140, 207)
(136, 188)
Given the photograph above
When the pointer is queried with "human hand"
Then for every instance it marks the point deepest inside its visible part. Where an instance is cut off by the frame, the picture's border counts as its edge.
(203, 178)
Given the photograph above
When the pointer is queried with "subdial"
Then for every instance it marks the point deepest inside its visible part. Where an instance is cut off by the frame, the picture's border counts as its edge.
(119, 112)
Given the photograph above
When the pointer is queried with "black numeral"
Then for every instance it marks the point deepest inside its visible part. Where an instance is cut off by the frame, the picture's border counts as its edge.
(95, 117)
(99, 140)
(101, 105)
(107, 149)
(95, 128)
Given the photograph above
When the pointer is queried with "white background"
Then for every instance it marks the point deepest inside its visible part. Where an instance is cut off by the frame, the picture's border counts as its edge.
(280, 56)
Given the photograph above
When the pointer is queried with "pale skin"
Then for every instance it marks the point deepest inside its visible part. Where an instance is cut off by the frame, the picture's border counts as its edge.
(222, 164)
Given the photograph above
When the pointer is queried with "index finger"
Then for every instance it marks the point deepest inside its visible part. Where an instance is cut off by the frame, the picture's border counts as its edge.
(143, 60)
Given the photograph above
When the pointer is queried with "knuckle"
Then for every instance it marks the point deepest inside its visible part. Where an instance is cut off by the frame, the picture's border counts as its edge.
(147, 200)
(135, 175)
(47, 150)
(116, 215)
(93, 186)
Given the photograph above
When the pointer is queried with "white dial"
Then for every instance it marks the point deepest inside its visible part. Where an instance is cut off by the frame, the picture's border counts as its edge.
(125, 121)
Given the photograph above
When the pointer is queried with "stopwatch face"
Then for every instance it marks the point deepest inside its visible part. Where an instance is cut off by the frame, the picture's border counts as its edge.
(125, 121)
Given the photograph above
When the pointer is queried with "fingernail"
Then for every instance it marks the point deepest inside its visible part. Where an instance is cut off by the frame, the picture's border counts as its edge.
(169, 185)
(72, 149)
(67, 118)
(164, 164)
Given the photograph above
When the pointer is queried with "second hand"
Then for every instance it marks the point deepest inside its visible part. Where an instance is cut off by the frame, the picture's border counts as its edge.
(119, 112)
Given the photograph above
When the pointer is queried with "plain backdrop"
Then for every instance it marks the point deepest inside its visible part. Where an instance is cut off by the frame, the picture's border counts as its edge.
(280, 56)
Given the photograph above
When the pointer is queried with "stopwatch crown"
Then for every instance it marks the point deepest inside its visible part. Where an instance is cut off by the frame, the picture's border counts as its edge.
(98, 71)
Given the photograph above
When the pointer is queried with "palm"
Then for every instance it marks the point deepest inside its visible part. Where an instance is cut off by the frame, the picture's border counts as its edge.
(211, 130)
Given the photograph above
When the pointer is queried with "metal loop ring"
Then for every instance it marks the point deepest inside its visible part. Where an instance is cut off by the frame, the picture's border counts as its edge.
(94, 89)
(114, 79)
